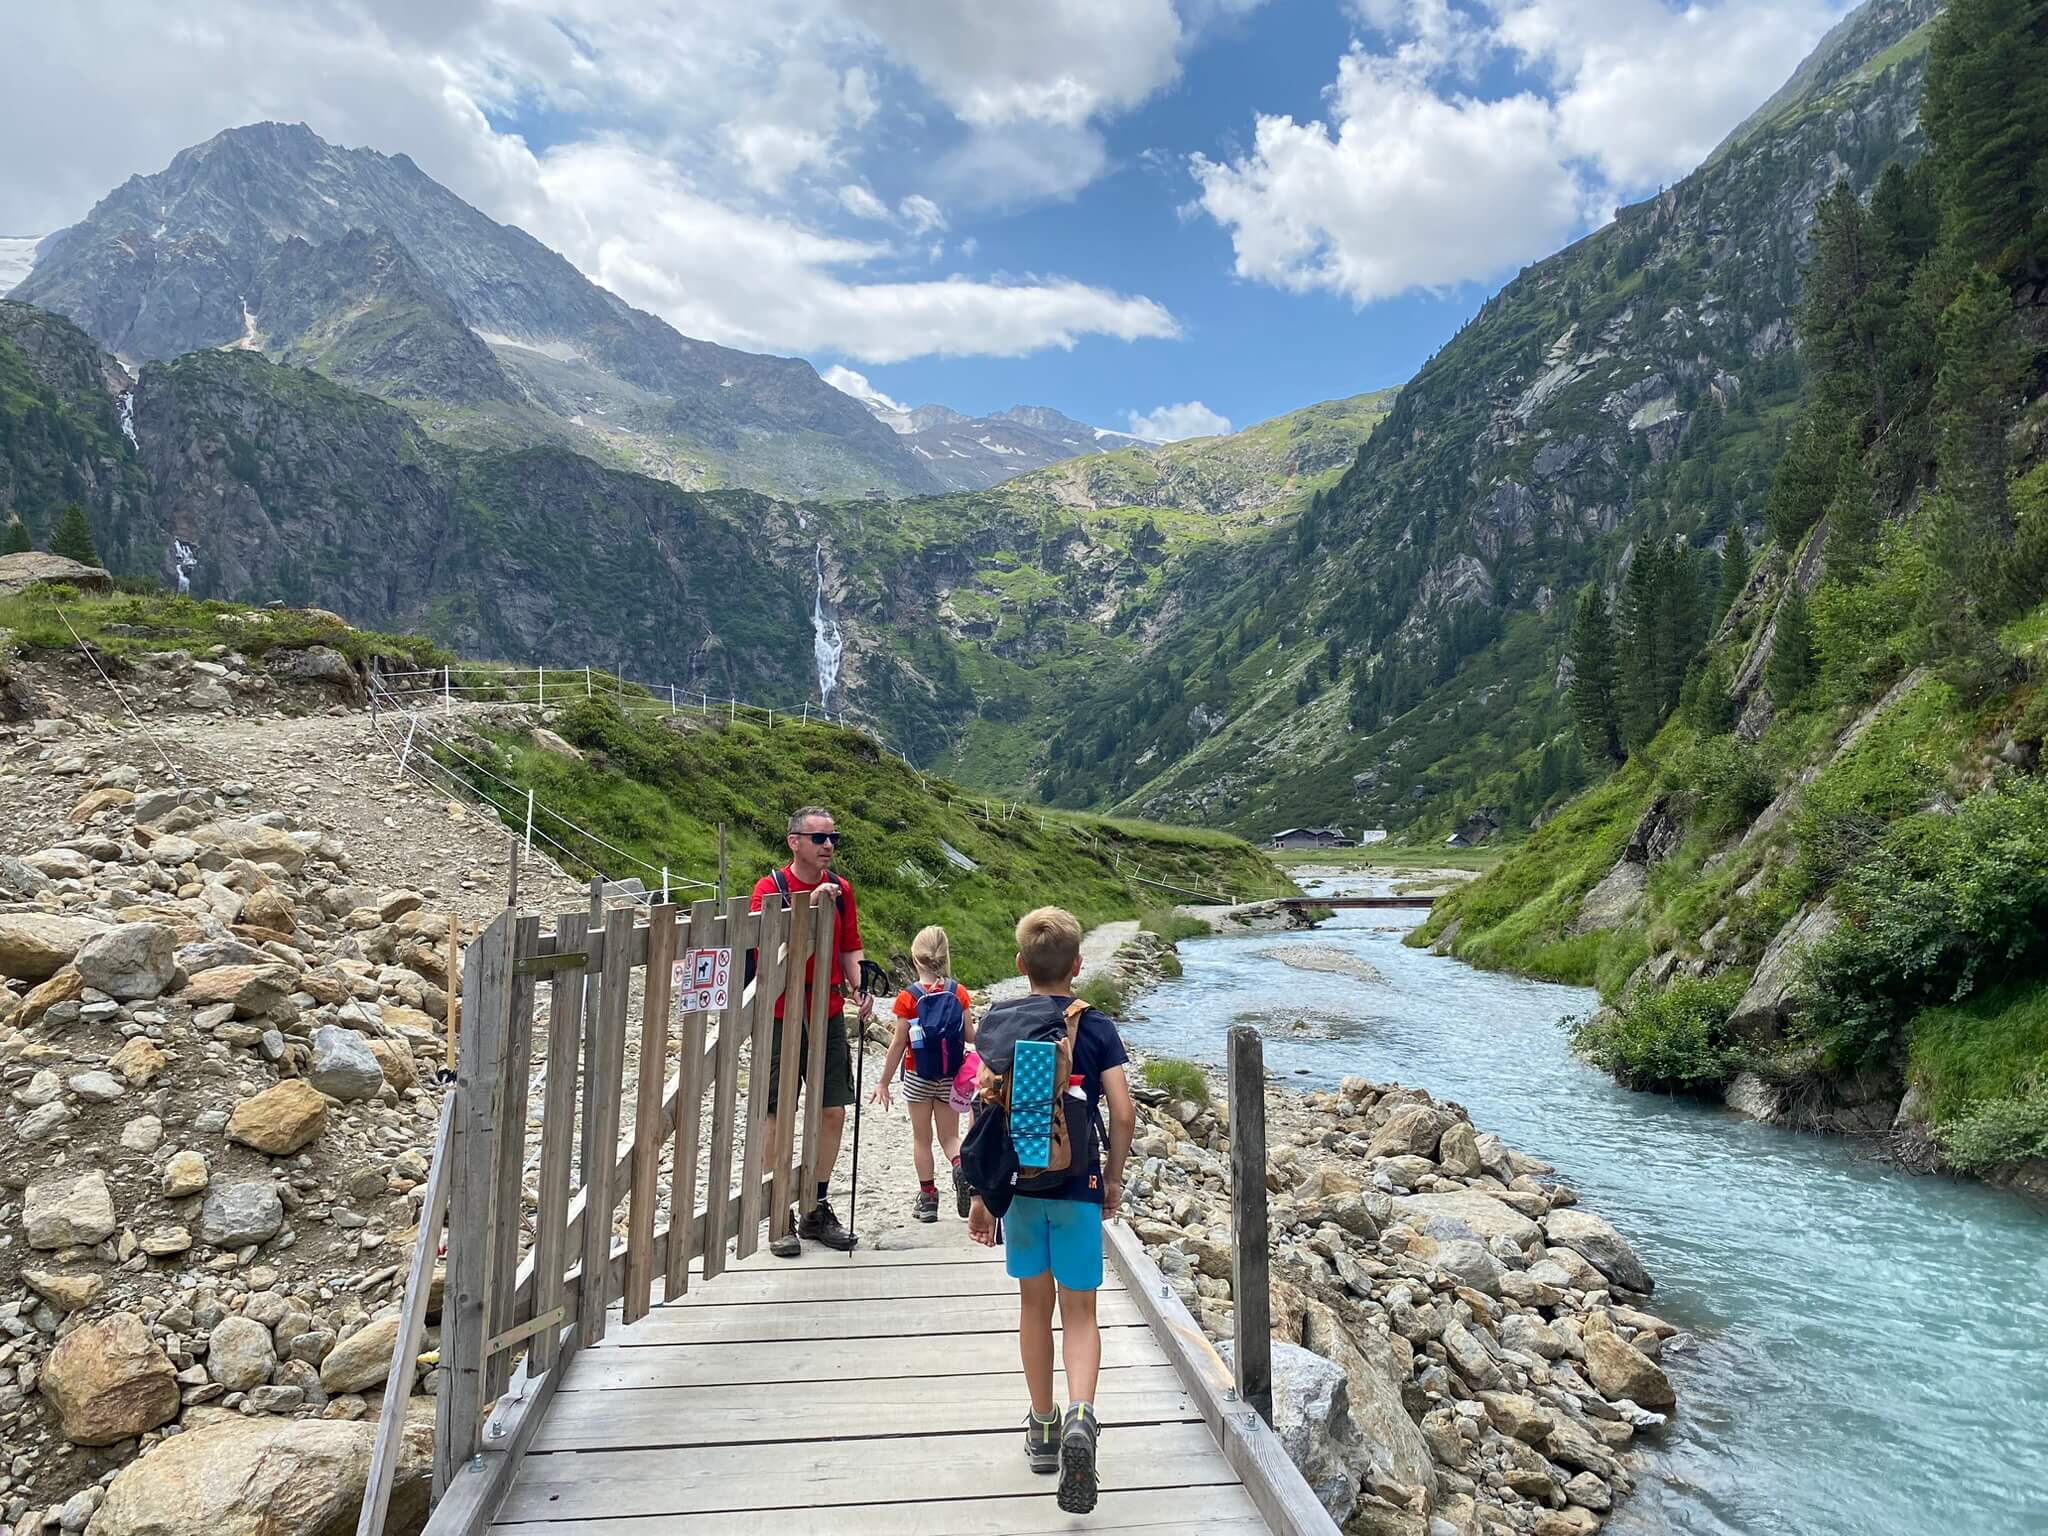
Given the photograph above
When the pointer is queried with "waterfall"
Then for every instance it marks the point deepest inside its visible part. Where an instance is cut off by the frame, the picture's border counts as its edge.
(828, 643)
(128, 418)
(184, 559)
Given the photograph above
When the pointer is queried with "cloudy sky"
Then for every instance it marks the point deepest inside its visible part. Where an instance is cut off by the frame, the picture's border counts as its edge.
(1161, 214)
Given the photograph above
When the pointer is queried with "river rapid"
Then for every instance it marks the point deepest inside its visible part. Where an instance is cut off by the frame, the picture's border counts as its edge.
(1871, 1348)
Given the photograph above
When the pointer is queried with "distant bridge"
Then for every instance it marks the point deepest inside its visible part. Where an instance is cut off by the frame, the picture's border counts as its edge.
(1344, 903)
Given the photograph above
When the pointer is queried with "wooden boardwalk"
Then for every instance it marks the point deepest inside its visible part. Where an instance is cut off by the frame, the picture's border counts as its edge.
(876, 1393)
(642, 1372)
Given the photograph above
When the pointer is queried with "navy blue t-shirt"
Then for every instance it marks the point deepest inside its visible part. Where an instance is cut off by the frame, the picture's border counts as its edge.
(1097, 1049)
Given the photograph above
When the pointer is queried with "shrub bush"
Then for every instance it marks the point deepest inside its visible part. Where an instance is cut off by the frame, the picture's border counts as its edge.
(1998, 1131)
(1673, 1039)
(1173, 924)
(1177, 1079)
(1729, 782)
(1105, 992)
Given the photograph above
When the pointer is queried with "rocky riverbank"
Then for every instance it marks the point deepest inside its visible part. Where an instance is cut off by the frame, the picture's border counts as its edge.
(1460, 1350)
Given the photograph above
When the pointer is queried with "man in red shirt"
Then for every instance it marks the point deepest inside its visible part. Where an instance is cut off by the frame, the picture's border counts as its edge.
(813, 840)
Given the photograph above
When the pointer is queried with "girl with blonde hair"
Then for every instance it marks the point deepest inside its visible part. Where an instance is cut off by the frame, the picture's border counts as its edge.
(930, 1048)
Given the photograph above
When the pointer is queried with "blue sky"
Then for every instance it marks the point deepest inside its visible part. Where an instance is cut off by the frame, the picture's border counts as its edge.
(1176, 212)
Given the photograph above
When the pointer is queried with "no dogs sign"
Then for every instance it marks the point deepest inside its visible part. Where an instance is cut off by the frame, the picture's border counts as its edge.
(703, 980)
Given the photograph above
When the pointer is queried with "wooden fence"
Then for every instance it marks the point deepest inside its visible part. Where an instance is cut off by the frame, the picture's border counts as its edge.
(550, 1303)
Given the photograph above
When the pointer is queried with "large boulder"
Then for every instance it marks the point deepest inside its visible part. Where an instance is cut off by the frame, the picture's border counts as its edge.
(1616, 900)
(1312, 1417)
(320, 664)
(362, 1360)
(239, 1353)
(1619, 1369)
(1486, 1216)
(35, 946)
(252, 989)
(236, 1215)
(110, 1382)
(1458, 1152)
(343, 1065)
(20, 572)
(266, 1476)
(1600, 1245)
(1778, 989)
(1373, 1378)
(130, 961)
(253, 841)
(1411, 1131)
(280, 1120)
(69, 1210)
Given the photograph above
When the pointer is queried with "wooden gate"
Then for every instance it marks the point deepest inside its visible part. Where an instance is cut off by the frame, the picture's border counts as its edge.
(506, 1296)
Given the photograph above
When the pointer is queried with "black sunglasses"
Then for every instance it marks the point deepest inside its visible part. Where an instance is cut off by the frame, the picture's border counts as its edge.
(822, 838)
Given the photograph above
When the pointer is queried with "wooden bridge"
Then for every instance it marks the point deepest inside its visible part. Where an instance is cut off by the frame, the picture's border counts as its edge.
(1354, 903)
(646, 1374)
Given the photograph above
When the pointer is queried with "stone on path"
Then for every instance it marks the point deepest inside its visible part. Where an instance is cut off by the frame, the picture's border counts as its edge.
(130, 962)
(110, 1382)
(69, 1210)
(343, 1065)
(251, 989)
(238, 1214)
(280, 1120)
(185, 1174)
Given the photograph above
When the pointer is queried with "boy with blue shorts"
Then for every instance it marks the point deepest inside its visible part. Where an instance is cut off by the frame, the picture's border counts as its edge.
(1053, 1241)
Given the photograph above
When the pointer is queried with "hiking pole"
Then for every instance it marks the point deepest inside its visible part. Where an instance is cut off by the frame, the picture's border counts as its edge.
(873, 979)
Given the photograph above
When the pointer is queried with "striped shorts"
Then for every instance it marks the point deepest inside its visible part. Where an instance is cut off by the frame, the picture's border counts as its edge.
(926, 1090)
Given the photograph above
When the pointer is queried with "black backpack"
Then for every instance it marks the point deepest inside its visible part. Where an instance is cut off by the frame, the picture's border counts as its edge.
(988, 1155)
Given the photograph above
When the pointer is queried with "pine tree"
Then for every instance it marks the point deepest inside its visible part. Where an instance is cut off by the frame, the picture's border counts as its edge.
(1591, 694)
(1982, 376)
(1844, 318)
(1986, 109)
(15, 540)
(1734, 568)
(1853, 514)
(1805, 483)
(73, 537)
(1791, 667)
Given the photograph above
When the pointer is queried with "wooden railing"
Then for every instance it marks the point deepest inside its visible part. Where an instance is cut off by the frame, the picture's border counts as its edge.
(555, 1300)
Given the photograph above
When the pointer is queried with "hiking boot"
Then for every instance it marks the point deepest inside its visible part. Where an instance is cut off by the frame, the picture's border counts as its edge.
(1077, 1461)
(1042, 1442)
(927, 1207)
(787, 1246)
(821, 1225)
(963, 1197)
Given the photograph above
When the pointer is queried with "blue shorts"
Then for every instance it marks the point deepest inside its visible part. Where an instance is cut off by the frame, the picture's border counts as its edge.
(1064, 1236)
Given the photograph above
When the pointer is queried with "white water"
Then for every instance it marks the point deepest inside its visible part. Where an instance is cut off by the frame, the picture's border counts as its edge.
(184, 560)
(1870, 1356)
(128, 419)
(828, 642)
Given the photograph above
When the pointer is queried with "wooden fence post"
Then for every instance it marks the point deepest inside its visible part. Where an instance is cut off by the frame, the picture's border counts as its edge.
(1251, 1290)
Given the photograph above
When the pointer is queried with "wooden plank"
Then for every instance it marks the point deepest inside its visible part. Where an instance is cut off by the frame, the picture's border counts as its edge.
(647, 1127)
(1152, 1512)
(601, 1113)
(1251, 1284)
(931, 1356)
(1289, 1505)
(825, 951)
(830, 1473)
(516, 1071)
(769, 937)
(473, 1498)
(593, 1006)
(551, 1242)
(473, 1190)
(789, 1028)
(831, 1409)
(734, 1025)
(956, 1251)
(412, 1328)
(824, 1320)
(756, 1287)
(682, 1189)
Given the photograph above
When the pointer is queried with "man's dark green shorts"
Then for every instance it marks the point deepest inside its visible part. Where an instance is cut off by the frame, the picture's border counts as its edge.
(838, 1064)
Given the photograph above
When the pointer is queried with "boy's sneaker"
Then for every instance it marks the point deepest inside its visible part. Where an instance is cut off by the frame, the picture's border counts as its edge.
(927, 1207)
(1042, 1442)
(963, 1197)
(821, 1225)
(1077, 1460)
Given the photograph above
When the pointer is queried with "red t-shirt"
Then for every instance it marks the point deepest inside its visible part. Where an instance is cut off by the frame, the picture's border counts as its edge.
(846, 939)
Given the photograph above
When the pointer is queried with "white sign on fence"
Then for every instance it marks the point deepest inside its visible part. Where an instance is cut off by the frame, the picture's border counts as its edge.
(703, 980)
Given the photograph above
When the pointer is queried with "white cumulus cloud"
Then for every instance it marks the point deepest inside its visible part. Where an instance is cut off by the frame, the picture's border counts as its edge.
(1416, 179)
(848, 382)
(862, 204)
(1172, 423)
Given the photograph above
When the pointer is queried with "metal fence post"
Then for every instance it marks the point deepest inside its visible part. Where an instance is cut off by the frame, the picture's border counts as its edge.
(586, 682)
(447, 694)
(529, 823)
(543, 685)
(1251, 1291)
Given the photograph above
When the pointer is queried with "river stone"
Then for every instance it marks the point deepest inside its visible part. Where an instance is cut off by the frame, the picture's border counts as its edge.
(1518, 1417)
(235, 1215)
(1470, 1264)
(343, 1065)
(21, 879)
(394, 1059)
(60, 863)
(69, 1210)
(253, 841)
(111, 797)
(1532, 1336)
(1603, 1247)
(1373, 1376)
(1470, 1359)
(266, 1476)
(251, 989)
(362, 1360)
(280, 1120)
(110, 1382)
(1312, 1417)
(1486, 1216)
(129, 962)
(271, 909)
(34, 946)
(210, 954)
(1619, 1369)
(185, 1174)
(1411, 1131)
(1458, 1152)
(239, 1354)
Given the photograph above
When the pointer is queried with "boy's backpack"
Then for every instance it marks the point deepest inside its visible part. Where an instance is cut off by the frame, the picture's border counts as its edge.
(1030, 1135)
(939, 1034)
